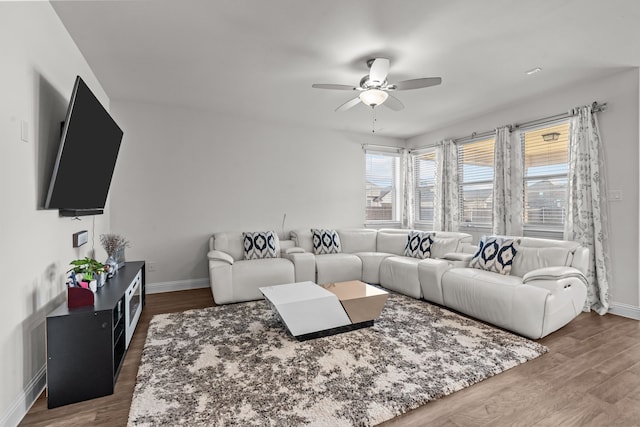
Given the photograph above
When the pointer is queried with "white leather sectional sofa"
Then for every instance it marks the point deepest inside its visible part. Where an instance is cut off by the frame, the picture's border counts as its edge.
(545, 291)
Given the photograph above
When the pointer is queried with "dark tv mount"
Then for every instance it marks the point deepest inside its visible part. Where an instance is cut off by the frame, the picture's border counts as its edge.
(80, 212)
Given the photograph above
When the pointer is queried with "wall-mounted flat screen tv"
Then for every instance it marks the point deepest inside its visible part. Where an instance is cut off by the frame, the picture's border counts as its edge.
(86, 158)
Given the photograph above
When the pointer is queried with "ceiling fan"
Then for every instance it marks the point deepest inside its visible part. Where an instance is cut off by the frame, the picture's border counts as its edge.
(374, 88)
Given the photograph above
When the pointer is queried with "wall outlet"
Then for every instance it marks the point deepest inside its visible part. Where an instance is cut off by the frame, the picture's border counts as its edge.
(152, 266)
(615, 195)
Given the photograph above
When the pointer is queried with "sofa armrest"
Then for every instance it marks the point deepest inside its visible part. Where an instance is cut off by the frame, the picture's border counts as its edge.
(220, 256)
(304, 264)
(293, 250)
(560, 280)
(554, 273)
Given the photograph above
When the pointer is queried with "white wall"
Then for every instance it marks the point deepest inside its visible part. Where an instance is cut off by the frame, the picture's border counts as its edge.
(185, 174)
(39, 63)
(619, 131)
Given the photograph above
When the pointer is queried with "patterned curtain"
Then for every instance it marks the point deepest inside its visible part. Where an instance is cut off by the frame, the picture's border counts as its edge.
(446, 216)
(586, 216)
(508, 192)
(407, 207)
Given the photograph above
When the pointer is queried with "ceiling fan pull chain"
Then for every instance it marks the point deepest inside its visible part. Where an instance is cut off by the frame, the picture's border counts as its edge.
(373, 119)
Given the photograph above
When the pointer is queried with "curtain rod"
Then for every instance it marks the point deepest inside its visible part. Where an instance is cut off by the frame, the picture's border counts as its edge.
(595, 106)
(382, 147)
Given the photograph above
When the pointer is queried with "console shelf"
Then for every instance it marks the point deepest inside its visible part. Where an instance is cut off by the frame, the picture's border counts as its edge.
(86, 345)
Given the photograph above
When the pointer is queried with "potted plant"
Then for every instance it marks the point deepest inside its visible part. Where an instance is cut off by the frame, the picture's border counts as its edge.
(114, 245)
(89, 270)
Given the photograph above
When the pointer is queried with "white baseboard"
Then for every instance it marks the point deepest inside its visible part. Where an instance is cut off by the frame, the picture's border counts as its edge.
(23, 402)
(178, 285)
(625, 310)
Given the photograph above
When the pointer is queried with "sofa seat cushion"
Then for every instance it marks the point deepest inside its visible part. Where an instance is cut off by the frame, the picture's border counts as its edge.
(400, 274)
(250, 275)
(501, 300)
(331, 268)
(371, 265)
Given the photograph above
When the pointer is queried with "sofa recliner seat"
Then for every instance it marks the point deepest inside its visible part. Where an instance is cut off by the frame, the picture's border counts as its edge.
(545, 290)
(234, 279)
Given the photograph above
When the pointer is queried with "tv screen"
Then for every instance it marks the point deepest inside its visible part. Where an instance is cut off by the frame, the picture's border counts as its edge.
(87, 155)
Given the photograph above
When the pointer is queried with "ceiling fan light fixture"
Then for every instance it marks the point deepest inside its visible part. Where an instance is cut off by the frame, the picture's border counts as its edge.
(373, 97)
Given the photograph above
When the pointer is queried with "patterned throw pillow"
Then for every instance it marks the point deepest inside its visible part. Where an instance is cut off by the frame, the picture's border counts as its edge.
(259, 245)
(325, 241)
(495, 254)
(419, 244)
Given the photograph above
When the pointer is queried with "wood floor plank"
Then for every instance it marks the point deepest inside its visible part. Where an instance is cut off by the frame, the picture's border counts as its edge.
(574, 413)
(617, 388)
(589, 377)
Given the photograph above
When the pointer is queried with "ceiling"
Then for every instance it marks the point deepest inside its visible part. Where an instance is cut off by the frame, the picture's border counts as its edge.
(258, 58)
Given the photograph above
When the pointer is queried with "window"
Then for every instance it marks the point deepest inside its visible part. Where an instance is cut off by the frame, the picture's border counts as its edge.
(546, 168)
(475, 172)
(424, 170)
(382, 182)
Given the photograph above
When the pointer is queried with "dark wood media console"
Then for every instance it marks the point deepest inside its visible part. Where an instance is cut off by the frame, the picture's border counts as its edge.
(86, 346)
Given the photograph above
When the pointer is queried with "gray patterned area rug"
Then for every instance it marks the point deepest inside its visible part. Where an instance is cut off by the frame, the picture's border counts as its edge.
(236, 365)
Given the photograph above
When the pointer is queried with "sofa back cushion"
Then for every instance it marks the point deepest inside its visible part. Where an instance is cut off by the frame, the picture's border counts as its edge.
(231, 243)
(535, 253)
(392, 241)
(358, 240)
(444, 245)
(529, 259)
(303, 239)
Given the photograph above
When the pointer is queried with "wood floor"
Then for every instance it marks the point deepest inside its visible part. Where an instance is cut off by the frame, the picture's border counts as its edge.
(590, 377)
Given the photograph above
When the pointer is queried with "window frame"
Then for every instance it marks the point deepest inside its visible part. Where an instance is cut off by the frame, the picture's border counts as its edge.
(396, 189)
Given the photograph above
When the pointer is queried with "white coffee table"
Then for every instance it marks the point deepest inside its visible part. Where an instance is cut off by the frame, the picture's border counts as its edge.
(312, 311)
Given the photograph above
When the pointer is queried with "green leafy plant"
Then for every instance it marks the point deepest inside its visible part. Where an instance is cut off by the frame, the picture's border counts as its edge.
(88, 267)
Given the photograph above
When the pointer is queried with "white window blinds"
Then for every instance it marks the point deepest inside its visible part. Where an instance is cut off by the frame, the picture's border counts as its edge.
(475, 177)
(424, 178)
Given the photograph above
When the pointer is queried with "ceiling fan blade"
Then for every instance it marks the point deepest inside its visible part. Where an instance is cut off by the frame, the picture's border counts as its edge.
(351, 103)
(417, 83)
(379, 70)
(394, 103)
(330, 86)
